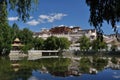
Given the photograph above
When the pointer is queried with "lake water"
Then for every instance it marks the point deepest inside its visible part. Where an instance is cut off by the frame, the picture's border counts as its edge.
(107, 74)
(31, 70)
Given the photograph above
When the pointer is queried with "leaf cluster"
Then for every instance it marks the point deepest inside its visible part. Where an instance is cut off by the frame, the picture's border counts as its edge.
(104, 10)
(21, 7)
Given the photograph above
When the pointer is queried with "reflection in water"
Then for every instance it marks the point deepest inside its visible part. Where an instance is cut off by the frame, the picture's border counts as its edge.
(22, 74)
(107, 74)
(117, 77)
(57, 68)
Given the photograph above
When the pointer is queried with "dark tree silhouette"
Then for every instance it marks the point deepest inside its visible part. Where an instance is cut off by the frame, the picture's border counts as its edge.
(104, 10)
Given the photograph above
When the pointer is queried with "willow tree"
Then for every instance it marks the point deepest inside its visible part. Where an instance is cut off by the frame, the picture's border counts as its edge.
(3, 13)
(104, 10)
(5, 40)
(22, 7)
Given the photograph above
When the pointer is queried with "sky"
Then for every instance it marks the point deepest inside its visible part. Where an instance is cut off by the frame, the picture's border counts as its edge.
(51, 13)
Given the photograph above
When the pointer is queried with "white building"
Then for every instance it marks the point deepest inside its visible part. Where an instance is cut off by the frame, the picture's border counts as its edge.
(111, 41)
(73, 34)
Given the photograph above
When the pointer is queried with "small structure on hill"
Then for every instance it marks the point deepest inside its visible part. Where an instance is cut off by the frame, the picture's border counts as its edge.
(16, 50)
(16, 44)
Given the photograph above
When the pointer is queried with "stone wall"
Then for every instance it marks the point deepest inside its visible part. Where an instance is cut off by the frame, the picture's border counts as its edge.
(32, 54)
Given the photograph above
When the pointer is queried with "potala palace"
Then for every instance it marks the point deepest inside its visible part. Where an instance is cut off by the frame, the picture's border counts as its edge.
(74, 33)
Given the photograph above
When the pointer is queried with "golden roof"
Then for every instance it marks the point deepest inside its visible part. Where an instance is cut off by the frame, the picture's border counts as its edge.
(17, 40)
(17, 45)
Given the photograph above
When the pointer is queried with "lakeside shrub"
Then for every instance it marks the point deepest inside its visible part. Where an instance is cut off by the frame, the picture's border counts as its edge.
(85, 64)
(99, 63)
(52, 64)
(114, 60)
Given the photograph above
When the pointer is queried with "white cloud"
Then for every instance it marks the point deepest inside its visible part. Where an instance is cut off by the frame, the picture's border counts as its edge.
(52, 17)
(118, 26)
(46, 18)
(31, 17)
(71, 26)
(59, 16)
(33, 22)
(12, 18)
(61, 25)
(116, 76)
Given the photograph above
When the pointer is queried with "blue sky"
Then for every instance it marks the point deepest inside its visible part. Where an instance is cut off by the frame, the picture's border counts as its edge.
(51, 13)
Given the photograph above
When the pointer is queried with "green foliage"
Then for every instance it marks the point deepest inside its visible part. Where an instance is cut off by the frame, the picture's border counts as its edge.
(25, 48)
(15, 31)
(96, 62)
(99, 63)
(84, 43)
(26, 36)
(51, 43)
(5, 31)
(52, 64)
(63, 43)
(5, 39)
(56, 64)
(85, 60)
(85, 64)
(114, 60)
(38, 43)
(8, 34)
(5, 69)
(98, 45)
(26, 67)
(54, 43)
(104, 10)
(21, 7)
(3, 13)
(113, 47)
